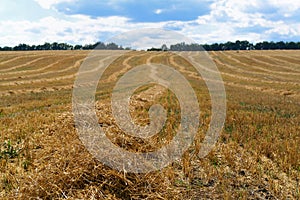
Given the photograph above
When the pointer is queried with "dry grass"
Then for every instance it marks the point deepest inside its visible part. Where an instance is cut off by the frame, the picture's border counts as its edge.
(257, 155)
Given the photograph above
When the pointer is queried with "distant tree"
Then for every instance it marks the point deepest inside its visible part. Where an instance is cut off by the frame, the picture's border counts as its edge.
(21, 47)
(292, 45)
(189, 47)
(46, 46)
(258, 46)
(100, 45)
(216, 47)
(206, 47)
(244, 45)
(77, 47)
(88, 46)
(266, 45)
(6, 48)
(154, 49)
(112, 46)
(164, 47)
(280, 45)
(54, 46)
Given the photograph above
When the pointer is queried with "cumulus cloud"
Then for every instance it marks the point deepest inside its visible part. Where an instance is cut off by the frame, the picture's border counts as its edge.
(286, 7)
(227, 20)
(47, 4)
(76, 29)
(149, 37)
(233, 19)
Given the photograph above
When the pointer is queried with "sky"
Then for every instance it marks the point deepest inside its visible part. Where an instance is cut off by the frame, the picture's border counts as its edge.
(204, 21)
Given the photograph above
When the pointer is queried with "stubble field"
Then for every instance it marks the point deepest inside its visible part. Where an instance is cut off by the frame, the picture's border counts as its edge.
(257, 155)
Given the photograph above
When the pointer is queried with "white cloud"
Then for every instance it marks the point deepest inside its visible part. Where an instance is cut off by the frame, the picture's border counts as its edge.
(228, 20)
(47, 29)
(286, 6)
(76, 29)
(234, 19)
(150, 37)
(158, 11)
(284, 29)
(47, 4)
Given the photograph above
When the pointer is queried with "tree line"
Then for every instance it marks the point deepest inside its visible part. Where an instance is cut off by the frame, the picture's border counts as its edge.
(63, 46)
(238, 45)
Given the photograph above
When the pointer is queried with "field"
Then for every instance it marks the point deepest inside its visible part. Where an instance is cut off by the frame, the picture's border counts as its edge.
(257, 155)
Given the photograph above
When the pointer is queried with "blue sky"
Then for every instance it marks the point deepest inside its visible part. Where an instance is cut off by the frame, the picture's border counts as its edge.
(138, 11)
(204, 21)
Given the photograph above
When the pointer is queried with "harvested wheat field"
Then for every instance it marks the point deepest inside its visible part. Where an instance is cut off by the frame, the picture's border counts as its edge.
(257, 155)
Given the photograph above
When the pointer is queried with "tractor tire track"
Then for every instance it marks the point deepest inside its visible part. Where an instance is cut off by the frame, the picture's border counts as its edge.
(196, 76)
(216, 60)
(285, 62)
(114, 76)
(76, 65)
(55, 88)
(230, 57)
(11, 60)
(272, 65)
(23, 65)
(259, 88)
(33, 71)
